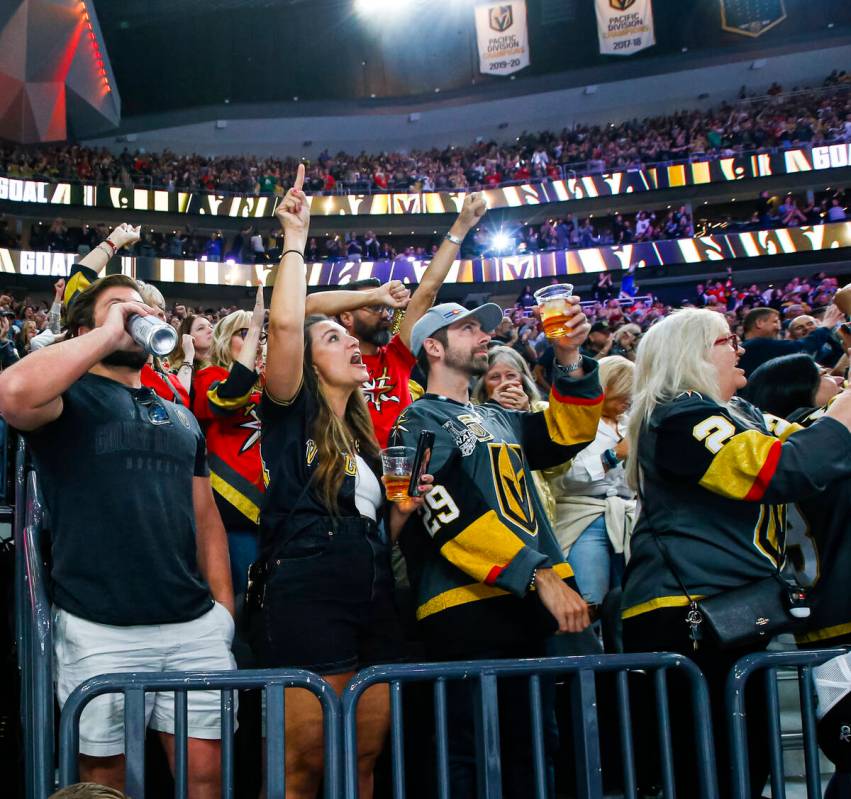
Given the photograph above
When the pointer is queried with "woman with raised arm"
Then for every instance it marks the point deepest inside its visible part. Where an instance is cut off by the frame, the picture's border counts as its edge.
(225, 400)
(321, 592)
(713, 480)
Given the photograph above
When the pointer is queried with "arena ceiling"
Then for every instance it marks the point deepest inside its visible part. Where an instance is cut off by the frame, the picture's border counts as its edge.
(174, 55)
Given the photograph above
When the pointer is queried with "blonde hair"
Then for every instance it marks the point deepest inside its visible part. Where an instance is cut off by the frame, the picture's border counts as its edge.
(673, 357)
(616, 375)
(516, 362)
(151, 295)
(628, 328)
(223, 332)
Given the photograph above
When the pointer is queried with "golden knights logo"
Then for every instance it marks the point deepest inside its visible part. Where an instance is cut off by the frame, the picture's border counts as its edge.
(501, 18)
(621, 5)
(252, 424)
(512, 486)
(751, 17)
(378, 390)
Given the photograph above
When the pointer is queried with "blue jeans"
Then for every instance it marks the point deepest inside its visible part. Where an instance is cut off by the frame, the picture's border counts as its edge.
(595, 565)
(242, 547)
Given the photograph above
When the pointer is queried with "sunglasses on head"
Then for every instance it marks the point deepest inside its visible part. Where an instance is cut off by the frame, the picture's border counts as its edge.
(243, 332)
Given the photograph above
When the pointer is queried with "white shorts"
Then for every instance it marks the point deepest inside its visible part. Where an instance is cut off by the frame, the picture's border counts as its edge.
(84, 649)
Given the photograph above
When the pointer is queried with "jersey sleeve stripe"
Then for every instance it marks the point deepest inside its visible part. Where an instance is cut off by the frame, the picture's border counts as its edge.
(575, 423)
(743, 467)
(482, 546)
(227, 403)
(473, 593)
(760, 484)
(557, 396)
(493, 574)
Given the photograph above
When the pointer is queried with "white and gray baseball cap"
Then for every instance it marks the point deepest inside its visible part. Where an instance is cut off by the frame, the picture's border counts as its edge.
(448, 313)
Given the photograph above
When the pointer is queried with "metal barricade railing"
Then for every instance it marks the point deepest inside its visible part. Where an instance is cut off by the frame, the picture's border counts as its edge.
(36, 646)
(768, 663)
(581, 671)
(135, 685)
(17, 535)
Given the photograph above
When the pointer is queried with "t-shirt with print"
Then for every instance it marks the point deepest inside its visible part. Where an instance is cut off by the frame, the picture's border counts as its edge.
(116, 472)
(386, 392)
(290, 504)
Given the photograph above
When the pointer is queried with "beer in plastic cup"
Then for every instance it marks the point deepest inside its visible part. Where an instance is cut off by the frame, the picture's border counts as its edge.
(397, 463)
(552, 301)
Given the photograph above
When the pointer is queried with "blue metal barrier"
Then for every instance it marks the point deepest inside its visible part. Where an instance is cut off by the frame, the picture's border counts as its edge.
(135, 685)
(582, 671)
(768, 663)
(18, 533)
(36, 652)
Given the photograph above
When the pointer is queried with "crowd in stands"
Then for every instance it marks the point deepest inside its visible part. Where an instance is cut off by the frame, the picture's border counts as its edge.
(256, 244)
(617, 307)
(299, 542)
(805, 117)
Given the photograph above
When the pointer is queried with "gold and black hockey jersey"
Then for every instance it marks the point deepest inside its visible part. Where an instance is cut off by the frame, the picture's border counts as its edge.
(715, 483)
(819, 550)
(482, 530)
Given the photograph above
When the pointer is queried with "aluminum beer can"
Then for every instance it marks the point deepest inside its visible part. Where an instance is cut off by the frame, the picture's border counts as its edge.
(152, 334)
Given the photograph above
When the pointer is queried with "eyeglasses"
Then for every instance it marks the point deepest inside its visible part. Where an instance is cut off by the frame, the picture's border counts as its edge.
(157, 414)
(379, 310)
(732, 340)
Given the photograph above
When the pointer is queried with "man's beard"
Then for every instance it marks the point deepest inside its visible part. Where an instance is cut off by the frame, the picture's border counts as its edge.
(469, 363)
(129, 358)
(372, 334)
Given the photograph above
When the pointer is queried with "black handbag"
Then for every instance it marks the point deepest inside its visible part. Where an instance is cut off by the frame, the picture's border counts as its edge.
(743, 616)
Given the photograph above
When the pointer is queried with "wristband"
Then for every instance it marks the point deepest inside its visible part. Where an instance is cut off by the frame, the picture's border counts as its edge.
(610, 459)
(110, 245)
(454, 239)
(297, 252)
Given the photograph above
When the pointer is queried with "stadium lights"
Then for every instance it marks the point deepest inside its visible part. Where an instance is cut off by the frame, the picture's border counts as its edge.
(380, 6)
(501, 241)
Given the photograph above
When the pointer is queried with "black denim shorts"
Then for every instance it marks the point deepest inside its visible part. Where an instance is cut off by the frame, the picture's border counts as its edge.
(328, 601)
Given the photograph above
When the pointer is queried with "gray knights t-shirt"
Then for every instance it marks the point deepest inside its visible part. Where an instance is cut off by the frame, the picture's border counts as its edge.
(116, 471)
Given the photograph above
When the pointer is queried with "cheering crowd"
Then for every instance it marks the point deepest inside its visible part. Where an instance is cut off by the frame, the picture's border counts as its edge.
(813, 116)
(251, 471)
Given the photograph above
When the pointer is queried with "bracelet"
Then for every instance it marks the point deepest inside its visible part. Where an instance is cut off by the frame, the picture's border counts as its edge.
(610, 458)
(297, 252)
(188, 364)
(454, 239)
(567, 369)
(110, 245)
(532, 581)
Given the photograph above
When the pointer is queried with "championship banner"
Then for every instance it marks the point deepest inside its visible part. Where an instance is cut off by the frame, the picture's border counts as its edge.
(502, 37)
(624, 26)
(607, 184)
(751, 17)
(525, 267)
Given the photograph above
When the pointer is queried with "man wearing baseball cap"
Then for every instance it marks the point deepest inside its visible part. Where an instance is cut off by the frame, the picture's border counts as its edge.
(489, 577)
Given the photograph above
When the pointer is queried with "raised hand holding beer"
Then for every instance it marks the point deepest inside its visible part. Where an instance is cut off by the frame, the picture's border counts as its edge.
(576, 329)
(553, 307)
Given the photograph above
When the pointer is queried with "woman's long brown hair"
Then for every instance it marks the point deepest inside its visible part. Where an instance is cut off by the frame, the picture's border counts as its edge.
(178, 356)
(335, 438)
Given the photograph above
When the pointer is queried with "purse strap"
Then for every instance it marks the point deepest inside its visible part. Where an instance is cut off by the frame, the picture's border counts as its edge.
(669, 562)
